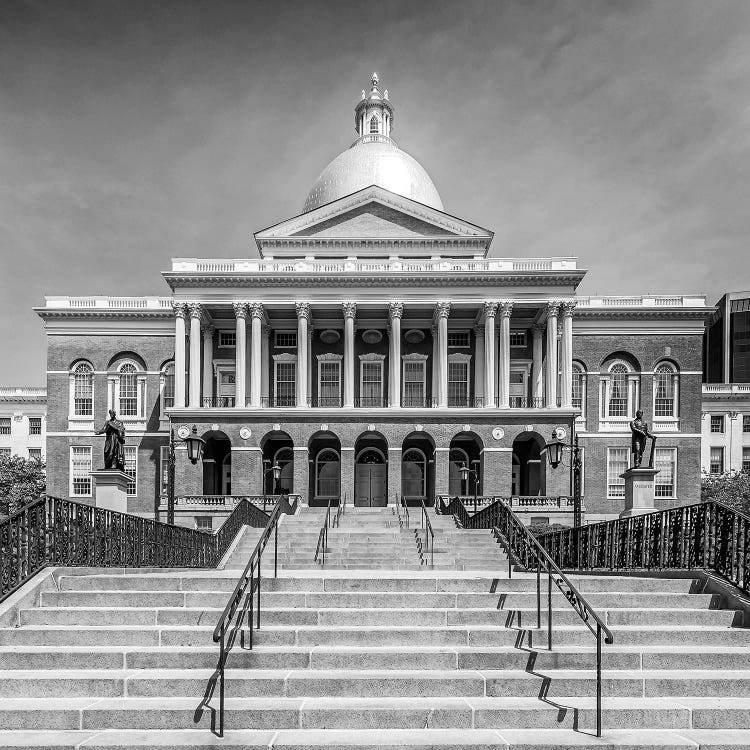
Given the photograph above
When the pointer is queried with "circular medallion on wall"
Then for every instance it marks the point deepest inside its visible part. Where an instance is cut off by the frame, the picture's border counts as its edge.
(183, 432)
(498, 433)
(414, 336)
(215, 427)
(245, 433)
(330, 336)
(418, 427)
(372, 336)
(559, 433)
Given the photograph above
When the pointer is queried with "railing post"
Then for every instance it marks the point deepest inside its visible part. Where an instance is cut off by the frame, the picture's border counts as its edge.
(276, 548)
(598, 680)
(549, 609)
(221, 686)
(539, 593)
(260, 555)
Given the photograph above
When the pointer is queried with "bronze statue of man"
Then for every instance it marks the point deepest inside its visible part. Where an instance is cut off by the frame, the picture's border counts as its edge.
(114, 444)
(639, 435)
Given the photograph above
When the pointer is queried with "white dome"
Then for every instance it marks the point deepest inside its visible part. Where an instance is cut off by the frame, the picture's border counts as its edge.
(376, 161)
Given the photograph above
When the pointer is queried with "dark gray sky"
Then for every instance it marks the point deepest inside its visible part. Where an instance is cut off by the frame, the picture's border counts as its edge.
(132, 132)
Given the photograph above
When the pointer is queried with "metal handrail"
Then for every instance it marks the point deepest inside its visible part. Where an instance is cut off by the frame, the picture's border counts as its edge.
(323, 537)
(240, 594)
(340, 511)
(429, 535)
(522, 544)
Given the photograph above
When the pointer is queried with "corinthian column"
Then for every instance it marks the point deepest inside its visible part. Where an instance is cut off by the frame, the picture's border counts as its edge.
(506, 308)
(566, 353)
(240, 312)
(551, 374)
(208, 361)
(442, 311)
(350, 310)
(195, 354)
(537, 374)
(395, 311)
(180, 313)
(490, 310)
(478, 365)
(256, 334)
(303, 318)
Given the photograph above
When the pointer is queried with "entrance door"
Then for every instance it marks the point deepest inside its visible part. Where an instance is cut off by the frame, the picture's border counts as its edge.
(370, 482)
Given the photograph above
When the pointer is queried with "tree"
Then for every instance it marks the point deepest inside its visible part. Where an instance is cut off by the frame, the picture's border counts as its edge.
(731, 488)
(22, 481)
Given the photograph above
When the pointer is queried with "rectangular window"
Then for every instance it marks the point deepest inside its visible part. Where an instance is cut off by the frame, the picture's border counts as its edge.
(458, 384)
(285, 339)
(131, 468)
(717, 460)
(746, 459)
(746, 423)
(286, 383)
(4, 425)
(717, 423)
(617, 463)
(80, 470)
(414, 385)
(518, 338)
(371, 386)
(168, 392)
(329, 384)
(665, 460)
(459, 339)
(35, 454)
(227, 339)
(204, 523)
(5, 452)
(164, 470)
(35, 425)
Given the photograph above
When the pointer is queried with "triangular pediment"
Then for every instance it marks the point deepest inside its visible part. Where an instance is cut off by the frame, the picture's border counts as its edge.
(371, 214)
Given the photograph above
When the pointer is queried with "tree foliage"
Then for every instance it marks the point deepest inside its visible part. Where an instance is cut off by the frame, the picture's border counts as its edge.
(731, 488)
(22, 481)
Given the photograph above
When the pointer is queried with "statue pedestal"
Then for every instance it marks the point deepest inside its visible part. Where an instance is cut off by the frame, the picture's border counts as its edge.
(639, 491)
(111, 489)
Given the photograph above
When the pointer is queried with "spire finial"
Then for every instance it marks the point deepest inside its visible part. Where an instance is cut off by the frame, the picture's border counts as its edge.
(375, 91)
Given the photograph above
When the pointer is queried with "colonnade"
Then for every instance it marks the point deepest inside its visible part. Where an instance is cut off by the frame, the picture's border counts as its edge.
(491, 352)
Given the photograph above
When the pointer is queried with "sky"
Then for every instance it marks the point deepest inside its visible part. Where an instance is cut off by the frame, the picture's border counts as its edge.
(131, 132)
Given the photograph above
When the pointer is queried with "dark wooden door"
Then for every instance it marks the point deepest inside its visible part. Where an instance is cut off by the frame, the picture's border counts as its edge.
(371, 486)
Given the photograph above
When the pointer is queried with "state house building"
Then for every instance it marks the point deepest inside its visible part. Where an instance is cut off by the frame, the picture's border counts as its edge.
(372, 346)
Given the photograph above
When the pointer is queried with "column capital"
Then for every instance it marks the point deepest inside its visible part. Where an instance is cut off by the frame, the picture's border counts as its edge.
(442, 309)
(240, 309)
(256, 310)
(208, 329)
(349, 308)
(567, 307)
(303, 310)
(506, 308)
(196, 309)
(553, 308)
(180, 309)
(490, 309)
(395, 309)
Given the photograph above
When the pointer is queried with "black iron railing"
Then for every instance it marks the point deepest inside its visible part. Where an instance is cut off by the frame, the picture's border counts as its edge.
(324, 402)
(429, 538)
(370, 402)
(526, 551)
(53, 531)
(322, 546)
(707, 536)
(278, 401)
(242, 597)
(218, 402)
(417, 402)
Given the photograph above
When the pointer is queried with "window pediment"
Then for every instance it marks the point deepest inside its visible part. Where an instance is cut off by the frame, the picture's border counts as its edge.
(371, 357)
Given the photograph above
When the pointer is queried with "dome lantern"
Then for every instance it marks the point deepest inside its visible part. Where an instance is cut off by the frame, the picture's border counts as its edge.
(373, 115)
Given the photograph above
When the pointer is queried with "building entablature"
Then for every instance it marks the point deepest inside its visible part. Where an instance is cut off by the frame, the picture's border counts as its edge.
(12, 394)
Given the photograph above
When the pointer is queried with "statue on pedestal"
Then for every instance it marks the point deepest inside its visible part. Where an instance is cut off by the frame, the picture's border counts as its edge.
(114, 444)
(639, 434)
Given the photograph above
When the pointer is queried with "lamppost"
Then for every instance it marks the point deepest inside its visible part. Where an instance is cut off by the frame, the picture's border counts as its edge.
(276, 470)
(555, 450)
(194, 446)
(465, 471)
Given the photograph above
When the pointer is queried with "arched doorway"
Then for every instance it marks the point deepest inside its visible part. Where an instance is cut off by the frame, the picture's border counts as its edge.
(371, 471)
(324, 449)
(217, 464)
(465, 450)
(278, 448)
(417, 469)
(529, 475)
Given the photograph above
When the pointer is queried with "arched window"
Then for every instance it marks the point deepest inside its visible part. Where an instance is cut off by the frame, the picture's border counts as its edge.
(456, 459)
(374, 125)
(413, 474)
(167, 388)
(666, 384)
(618, 391)
(327, 474)
(83, 390)
(128, 391)
(579, 388)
